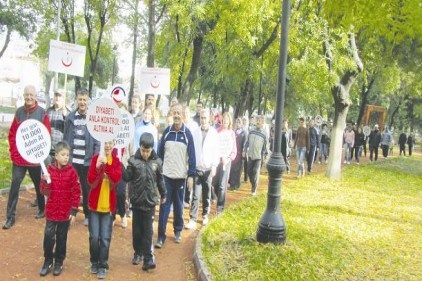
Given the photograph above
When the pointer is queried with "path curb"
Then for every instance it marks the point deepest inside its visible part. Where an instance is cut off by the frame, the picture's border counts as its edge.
(22, 188)
(198, 260)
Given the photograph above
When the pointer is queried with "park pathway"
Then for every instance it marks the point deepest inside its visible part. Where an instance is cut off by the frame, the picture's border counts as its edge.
(21, 253)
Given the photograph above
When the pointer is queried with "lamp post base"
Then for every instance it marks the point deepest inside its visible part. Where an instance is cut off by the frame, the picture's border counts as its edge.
(271, 226)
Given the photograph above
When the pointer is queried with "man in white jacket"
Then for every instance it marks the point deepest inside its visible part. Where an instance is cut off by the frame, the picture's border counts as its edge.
(207, 161)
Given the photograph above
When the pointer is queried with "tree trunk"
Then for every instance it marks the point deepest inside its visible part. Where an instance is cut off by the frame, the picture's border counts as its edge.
(364, 93)
(246, 98)
(196, 59)
(134, 51)
(341, 108)
(341, 96)
(151, 34)
(393, 114)
(6, 42)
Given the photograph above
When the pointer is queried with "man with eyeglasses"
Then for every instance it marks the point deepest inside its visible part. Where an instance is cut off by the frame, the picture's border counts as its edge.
(30, 110)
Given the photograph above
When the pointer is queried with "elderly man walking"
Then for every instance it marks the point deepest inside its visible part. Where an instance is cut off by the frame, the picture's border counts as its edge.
(30, 110)
(177, 150)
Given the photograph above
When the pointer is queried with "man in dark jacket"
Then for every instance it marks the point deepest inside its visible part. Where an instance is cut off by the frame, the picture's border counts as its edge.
(144, 173)
(402, 143)
(374, 143)
(30, 110)
(313, 144)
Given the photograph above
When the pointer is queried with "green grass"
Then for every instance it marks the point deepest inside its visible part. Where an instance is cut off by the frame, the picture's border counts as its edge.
(7, 109)
(366, 226)
(6, 163)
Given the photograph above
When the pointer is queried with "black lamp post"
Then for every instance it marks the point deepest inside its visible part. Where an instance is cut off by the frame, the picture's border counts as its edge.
(271, 226)
(114, 64)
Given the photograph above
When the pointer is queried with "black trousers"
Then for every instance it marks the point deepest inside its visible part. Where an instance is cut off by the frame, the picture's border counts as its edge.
(254, 170)
(55, 233)
(311, 157)
(403, 149)
(142, 232)
(385, 150)
(83, 174)
(121, 198)
(18, 173)
(373, 150)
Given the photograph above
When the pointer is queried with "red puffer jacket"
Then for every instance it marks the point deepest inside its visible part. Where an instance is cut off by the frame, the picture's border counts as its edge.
(95, 179)
(63, 193)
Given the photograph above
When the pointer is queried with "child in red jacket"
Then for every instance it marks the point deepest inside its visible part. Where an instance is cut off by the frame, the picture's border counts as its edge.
(63, 193)
(104, 173)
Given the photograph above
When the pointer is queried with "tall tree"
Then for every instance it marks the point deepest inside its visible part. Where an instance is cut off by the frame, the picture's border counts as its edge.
(341, 95)
(15, 18)
(97, 13)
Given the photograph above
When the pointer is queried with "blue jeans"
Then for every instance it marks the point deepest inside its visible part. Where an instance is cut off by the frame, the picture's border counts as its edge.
(323, 152)
(300, 157)
(175, 195)
(100, 229)
(358, 153)
(220, 182)
(348, 152)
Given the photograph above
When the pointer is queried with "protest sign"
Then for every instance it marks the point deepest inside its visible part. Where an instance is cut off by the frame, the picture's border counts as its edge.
(127, 131)
(66, 58)
(155, 81)
(103, 120)
(33, 142)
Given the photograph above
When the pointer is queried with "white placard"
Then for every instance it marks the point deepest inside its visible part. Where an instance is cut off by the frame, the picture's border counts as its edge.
(33, 142)
(127, 130)
(103, 119)
(155, 81)
(66, 58)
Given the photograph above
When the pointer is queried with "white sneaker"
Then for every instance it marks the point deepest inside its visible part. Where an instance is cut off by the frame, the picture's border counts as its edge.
(254, 193)
(205, 220)
(191, 224)
(344, 162)
(124, 222)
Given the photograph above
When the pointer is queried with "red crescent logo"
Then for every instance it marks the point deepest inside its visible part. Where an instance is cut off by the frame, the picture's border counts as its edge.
(155, 83)
(67, 61)
(118, 94)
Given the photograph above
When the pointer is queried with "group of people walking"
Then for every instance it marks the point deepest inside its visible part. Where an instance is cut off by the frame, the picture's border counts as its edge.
(312, 143)
(190, 160)
(205, 156)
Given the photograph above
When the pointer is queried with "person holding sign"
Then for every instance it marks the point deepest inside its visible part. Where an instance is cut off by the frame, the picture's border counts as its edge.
(104, 173)
(82, 144)
(30, 110)
(63, 193)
